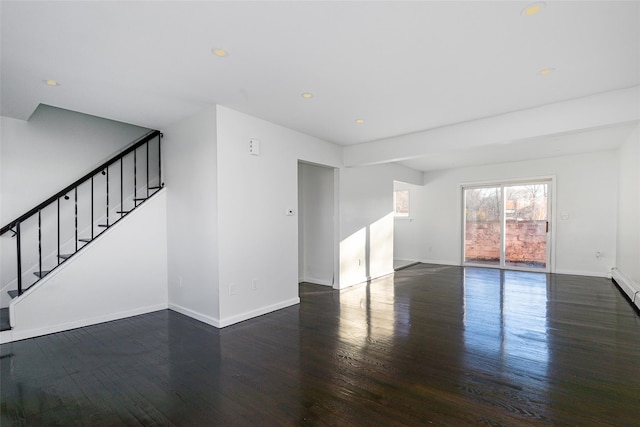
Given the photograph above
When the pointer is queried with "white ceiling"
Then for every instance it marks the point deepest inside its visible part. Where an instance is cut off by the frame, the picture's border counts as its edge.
(403, 67)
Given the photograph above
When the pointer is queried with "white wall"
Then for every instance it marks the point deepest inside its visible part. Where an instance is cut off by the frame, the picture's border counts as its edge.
(41, 156)
(366, 220)
(628, 232)
(257, 240)
(316, 210)
(190, 159)
(122, 273)
(586, 190)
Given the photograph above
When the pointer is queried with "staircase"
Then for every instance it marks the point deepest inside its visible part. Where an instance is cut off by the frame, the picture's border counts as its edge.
(47, 236)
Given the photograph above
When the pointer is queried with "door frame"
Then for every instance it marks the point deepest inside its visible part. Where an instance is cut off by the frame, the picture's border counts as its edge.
(551, 218)
(335, 227)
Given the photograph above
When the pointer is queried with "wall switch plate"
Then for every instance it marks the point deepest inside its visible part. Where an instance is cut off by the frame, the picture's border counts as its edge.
(254, 147)
(254, 285)
(564, 216)
(233, 289)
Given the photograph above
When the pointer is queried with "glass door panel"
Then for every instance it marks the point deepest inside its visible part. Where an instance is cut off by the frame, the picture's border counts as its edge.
(483, 225)
(526, 226)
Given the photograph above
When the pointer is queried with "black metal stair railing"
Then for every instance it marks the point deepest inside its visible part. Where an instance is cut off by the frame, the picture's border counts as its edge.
(52, 232)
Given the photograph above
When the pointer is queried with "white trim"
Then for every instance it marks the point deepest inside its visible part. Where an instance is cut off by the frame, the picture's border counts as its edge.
(258, 312)
(195, 315)
(361, 280)
(440, 262)
(584, 273)
(16, 334)
(317, 281)
(630, 287)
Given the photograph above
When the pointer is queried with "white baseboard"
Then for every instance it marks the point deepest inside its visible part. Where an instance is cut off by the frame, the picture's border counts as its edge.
(584, 273)
(228, 321)
(316, 281)
(16, 334)
(221, 323)
(195, 315)
(361, 280)
(440, 262)
(628, 286)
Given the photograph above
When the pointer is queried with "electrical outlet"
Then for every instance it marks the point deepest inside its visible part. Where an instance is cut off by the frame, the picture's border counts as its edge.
(254, 285)
(233, 289)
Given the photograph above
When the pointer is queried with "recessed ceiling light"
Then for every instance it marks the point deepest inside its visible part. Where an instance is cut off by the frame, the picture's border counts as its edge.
(359, 121)
(546, 71)
(533, 9)
(51, 82)
(307, 95)
(220, 52)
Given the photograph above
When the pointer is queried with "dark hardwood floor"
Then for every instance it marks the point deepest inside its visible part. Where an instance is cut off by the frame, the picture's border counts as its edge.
(434, 345)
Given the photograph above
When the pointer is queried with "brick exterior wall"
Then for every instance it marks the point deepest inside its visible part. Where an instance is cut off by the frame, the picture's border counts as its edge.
(525, 241)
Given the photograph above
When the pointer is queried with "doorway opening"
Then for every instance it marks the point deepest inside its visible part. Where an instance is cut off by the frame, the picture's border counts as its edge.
(317, 228)
(507, 225)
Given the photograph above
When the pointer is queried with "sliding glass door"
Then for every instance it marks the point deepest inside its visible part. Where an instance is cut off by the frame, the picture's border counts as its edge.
(507, 226)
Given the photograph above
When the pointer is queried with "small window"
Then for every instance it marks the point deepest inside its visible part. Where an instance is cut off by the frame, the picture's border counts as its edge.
(401, 203)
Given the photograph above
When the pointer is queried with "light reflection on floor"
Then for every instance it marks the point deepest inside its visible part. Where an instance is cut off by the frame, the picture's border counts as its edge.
(505, 319)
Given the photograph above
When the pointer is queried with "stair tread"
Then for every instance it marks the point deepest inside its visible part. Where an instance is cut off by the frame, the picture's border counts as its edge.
(123, 212)
(140, 198)
(42, 273)
(65, 256)
(14, 293)
(87, 240)
(103, 225)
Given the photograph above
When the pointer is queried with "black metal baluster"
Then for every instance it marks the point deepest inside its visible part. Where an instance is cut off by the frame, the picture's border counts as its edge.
(135, 177)
(39, 243)
(91, 211)
(159, 161)
(107, 196)
(19, 258)
(121, 190)
(58, 201)
(147, 146)
(76, 216)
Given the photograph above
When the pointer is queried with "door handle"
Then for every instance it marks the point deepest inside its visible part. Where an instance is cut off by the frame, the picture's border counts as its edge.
(547, 226)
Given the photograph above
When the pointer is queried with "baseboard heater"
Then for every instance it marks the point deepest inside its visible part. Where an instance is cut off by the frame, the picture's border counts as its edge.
(630, 288)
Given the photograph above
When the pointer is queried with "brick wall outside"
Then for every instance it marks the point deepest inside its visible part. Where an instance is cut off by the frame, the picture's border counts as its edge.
(525, 241)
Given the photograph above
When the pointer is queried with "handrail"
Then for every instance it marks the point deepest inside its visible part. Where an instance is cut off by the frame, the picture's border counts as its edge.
(143, 140)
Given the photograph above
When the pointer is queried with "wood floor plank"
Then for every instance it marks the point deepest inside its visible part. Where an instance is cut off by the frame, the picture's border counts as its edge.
(431, 345)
